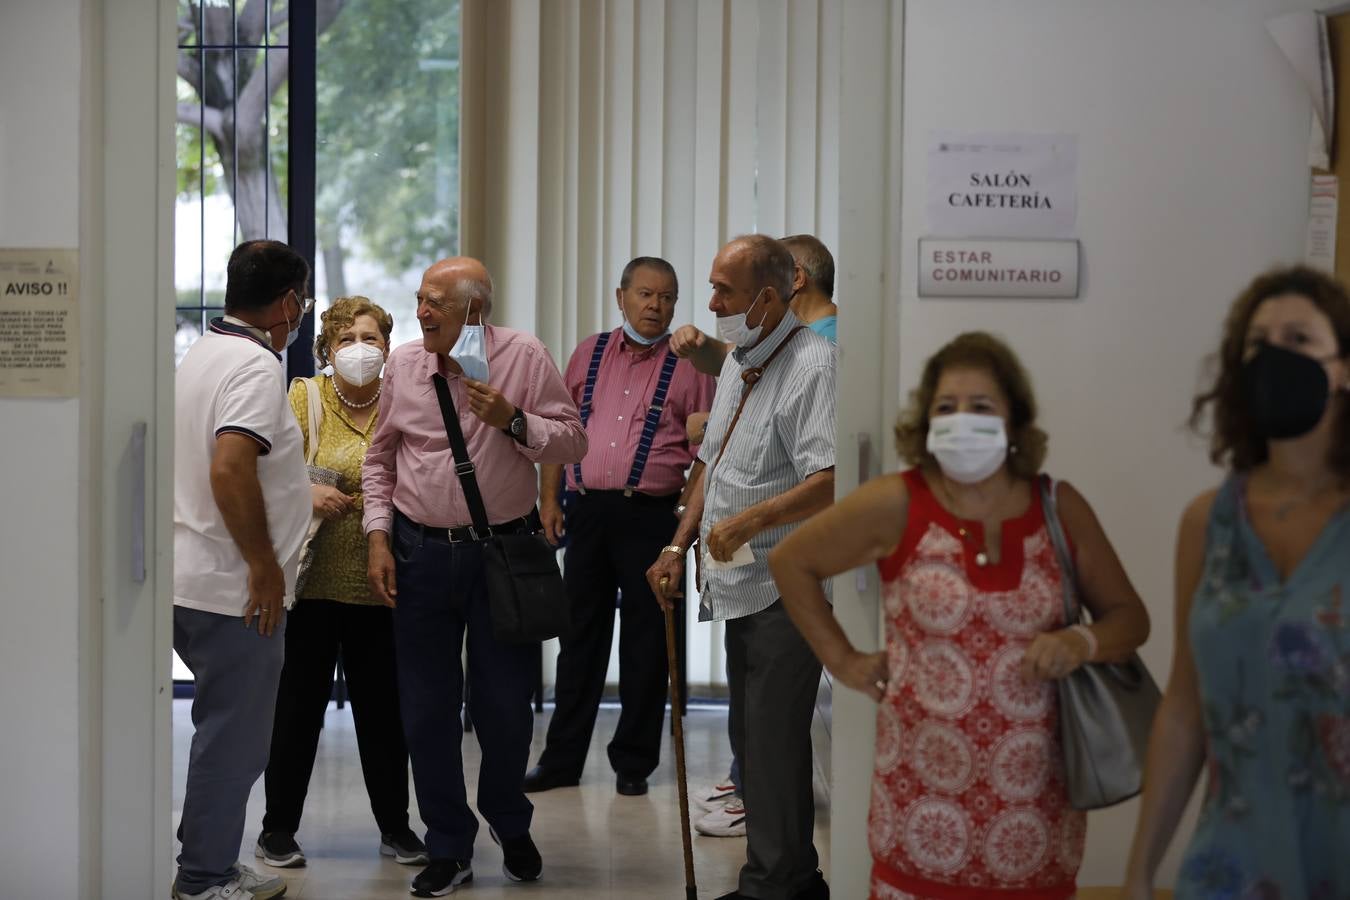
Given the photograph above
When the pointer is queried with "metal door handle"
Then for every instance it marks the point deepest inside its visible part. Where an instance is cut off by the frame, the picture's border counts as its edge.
(138, 432)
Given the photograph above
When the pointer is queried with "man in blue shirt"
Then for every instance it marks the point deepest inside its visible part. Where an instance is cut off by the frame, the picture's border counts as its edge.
(813, 284)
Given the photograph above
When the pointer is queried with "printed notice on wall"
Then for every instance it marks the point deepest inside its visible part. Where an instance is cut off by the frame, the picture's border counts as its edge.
(1002, 185)
(39, 323)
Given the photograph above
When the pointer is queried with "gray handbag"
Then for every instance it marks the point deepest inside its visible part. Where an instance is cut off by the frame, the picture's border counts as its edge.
(1105, 709)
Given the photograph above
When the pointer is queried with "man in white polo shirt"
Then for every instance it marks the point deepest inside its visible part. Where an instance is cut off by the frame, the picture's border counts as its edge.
(241, 508)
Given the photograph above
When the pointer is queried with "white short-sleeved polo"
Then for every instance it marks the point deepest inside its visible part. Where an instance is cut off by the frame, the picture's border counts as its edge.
(229, 381)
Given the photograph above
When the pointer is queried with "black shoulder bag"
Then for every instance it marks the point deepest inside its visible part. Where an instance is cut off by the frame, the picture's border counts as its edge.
(525, 589)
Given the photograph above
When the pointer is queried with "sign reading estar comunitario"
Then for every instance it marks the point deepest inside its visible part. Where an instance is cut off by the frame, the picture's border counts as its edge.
(997, 268)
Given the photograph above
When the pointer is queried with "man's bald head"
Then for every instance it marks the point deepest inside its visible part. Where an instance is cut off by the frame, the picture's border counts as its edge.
(462, 278)
(453, 291)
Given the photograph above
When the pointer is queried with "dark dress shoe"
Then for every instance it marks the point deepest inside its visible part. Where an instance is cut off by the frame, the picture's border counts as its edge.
(541, 779)
(631, 786)
(734, 895)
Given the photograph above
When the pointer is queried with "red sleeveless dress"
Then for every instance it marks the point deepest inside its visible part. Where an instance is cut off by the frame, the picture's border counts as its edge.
(968, 798)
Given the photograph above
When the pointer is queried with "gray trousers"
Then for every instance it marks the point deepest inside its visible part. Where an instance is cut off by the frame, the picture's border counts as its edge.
(773, 678)
(236, 671)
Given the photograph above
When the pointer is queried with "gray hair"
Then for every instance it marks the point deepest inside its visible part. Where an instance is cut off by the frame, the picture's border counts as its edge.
(815, 259)
(771, 263)
(469, 289)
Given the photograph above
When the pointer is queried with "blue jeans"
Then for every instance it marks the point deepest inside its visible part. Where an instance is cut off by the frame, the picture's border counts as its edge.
(442, 596)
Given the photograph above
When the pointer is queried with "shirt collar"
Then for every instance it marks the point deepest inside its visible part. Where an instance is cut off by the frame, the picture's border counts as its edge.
(757, 354)
(239, 328)
(640, 352)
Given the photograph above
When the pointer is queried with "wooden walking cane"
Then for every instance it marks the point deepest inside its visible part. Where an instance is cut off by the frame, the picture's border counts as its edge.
(681, 778)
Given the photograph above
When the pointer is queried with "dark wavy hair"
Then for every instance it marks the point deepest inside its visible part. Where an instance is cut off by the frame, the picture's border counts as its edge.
(1027, 443)
(1233, 439)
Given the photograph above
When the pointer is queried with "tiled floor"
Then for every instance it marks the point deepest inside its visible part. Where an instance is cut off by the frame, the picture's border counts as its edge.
(595, 843)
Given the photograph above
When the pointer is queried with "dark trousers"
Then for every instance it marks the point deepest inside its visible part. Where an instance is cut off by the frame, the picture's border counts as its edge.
(773, 678)
(612, 541)
(442, 597)
(235, 671)
(315, 631)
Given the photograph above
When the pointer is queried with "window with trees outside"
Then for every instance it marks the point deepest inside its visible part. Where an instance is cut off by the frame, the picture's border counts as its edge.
(333, 125)
(385, 165)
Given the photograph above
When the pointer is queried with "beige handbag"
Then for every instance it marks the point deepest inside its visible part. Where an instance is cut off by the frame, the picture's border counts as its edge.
(1105, 709)
(317, 475)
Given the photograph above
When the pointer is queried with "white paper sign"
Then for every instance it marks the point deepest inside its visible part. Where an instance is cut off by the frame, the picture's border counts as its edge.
(1002, 185)
(1320, 249)
(973, 268)
(39, 323)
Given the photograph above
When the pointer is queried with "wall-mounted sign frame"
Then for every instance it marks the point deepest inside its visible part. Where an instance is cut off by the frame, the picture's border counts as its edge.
(979, 267)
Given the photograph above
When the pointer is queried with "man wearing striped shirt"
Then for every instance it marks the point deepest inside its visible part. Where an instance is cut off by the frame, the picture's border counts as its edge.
(769, 464)
(635, 399)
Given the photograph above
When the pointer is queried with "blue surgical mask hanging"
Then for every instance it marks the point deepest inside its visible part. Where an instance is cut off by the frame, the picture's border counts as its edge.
(470, 351)
(636, 338)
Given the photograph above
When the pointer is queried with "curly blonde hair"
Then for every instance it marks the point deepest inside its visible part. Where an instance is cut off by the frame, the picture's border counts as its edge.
(1027, 443)
(340, 316)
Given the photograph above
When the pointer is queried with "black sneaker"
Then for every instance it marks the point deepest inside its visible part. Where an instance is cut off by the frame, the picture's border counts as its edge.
(520, 857)
(279, 849)
(405, 847)
(442, 877)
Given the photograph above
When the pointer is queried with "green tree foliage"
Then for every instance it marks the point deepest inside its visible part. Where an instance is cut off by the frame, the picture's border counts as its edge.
(388, 122)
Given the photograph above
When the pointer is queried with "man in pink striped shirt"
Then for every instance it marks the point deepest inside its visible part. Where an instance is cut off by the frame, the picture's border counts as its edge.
(424, 560)
(635, 398)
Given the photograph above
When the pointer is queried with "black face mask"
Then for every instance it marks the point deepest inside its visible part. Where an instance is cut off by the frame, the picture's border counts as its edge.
(1286, 392)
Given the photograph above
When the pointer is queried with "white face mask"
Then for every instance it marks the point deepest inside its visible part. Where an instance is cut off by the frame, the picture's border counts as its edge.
(969, 447)
(359, 364)
(470, 351)
(734, 330)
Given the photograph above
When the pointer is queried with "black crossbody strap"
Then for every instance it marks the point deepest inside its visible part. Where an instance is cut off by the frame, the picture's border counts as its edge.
(464, 467)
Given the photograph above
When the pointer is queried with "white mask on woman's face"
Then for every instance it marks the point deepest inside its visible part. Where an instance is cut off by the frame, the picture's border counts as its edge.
(359, 364)
(969, 446)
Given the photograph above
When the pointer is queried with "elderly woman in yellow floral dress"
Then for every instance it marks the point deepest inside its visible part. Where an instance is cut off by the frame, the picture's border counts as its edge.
(334, 611)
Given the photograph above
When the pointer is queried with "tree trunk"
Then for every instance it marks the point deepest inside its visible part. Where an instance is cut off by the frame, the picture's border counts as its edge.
(332, 267)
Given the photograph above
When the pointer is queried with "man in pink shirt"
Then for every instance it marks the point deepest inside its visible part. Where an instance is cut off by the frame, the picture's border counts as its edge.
(427, 563)
(635, 398)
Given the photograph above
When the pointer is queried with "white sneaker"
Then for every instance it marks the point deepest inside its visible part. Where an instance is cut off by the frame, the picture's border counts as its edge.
(259, 886)
(709, 797)
(231, 890)
(728, 821)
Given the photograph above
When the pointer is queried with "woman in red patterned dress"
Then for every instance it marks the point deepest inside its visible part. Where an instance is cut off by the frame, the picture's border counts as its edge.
(968, 797)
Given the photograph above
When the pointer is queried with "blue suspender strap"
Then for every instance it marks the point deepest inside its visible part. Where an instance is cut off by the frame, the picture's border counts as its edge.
(658, 403)
(588, 394)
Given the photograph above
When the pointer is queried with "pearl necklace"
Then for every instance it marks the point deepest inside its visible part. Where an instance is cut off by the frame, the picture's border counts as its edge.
(349, 404)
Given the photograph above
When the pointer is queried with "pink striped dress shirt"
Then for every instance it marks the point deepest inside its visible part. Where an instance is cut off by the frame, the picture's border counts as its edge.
(409, 464)
(623, 391)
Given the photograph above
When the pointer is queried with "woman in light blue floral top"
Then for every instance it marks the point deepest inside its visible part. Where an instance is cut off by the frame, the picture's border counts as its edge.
(1259, 696)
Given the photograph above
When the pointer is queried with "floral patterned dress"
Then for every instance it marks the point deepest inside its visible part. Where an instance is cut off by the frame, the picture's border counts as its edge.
(968, 797)
(1273, 660)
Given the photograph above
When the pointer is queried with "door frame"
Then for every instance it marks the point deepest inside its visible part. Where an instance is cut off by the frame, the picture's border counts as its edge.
(126, 515)
(869, 348)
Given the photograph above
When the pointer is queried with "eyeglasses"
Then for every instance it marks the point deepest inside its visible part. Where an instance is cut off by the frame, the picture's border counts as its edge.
(306, 304)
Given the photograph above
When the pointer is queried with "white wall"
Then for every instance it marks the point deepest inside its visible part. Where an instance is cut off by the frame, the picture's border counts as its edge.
(40, 74)
(1192, 178)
